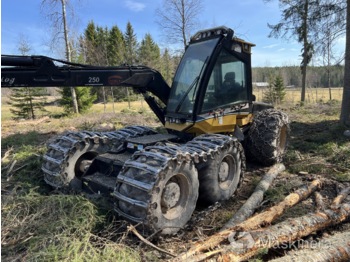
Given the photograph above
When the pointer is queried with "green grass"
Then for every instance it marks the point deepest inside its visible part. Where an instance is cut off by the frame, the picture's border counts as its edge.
(317, 144)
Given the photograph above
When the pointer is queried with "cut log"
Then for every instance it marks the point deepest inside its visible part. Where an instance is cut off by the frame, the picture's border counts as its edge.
(264, 218)
(256, 198)
(285, 232)
(334, 248)
(274, 212)
(340, 198)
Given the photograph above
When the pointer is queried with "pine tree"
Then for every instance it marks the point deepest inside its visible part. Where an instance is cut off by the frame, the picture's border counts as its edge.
(116, 47)
(279, 88)
(149, 53)
(28, 103)
(130, 51)
(296, 22)
(167, 67)
(269, 94)
(130, 45)
(275, 92)
(84, 96)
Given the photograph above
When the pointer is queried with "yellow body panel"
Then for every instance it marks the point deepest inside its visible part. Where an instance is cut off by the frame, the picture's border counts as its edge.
(219, 124)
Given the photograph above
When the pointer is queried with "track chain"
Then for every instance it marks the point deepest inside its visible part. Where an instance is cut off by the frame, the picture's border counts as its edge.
(138, 180)
(61, 151)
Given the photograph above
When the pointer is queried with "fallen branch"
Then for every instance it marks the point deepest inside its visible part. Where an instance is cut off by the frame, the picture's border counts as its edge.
(334, 248)
(320, 205)
(8, 173)
(256, 198)
(133, 229)
(286, 232)
(254, 222)
(340, 197)
(7, 154)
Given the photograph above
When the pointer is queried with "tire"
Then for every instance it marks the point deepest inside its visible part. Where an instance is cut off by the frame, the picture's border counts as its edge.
(158, 191)
(176, 199)
(63, 160)
(267, 138)
(221, 177)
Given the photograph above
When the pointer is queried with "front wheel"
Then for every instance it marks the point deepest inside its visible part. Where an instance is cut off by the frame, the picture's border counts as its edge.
(157, 190)
(267, 137)
(176, 198)
(221, 177)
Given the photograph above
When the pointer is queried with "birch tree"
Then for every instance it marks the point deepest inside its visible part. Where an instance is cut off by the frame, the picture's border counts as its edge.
(178, 19)
(56, 12)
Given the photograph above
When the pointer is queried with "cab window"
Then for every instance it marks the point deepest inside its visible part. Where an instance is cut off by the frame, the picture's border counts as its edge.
(227, 83)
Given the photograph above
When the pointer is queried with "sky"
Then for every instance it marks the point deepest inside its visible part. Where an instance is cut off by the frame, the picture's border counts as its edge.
(22, 19)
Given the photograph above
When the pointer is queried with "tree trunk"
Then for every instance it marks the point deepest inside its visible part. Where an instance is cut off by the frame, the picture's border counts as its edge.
(104, 99)
(256, 198)
(112, 98)
(334, 248)
(305, 53)
(285, 233)
(128, 96)
(68, 54)
(345, 108)
(274, 212)
(184, 22)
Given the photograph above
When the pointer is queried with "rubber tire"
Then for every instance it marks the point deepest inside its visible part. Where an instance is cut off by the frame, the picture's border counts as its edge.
(178, 216)
(267, 138)
(68, 174)
(154, 218)
(211, 190)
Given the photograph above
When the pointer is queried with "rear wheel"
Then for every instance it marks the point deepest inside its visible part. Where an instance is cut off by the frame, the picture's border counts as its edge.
(69, 155)
(222, 175)
(267, 137)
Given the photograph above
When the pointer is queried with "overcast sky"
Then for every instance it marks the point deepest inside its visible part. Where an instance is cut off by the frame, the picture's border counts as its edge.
(248, 18)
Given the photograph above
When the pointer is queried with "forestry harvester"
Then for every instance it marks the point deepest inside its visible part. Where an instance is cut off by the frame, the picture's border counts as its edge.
(212, 122)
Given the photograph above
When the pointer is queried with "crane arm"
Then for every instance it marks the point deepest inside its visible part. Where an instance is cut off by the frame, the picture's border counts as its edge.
(42, 71)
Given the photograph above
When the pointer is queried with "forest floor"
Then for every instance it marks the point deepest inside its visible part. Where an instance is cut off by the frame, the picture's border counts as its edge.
(42, 224)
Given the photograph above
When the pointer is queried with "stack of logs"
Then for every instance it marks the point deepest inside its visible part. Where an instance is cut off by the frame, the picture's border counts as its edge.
(245, 236)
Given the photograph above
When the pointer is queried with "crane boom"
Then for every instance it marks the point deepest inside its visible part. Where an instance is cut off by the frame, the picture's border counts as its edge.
(43, 71)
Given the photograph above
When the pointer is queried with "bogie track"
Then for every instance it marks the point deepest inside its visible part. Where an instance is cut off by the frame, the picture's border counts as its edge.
(159, 186)
(69, 155)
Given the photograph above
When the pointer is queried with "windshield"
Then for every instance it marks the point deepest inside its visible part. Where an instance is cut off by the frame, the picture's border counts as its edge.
(184, 88)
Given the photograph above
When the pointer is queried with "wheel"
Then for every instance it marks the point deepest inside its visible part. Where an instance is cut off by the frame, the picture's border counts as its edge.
(220, 178)
(175, 199)
(267, 137)
(159, 192)
(69, 155)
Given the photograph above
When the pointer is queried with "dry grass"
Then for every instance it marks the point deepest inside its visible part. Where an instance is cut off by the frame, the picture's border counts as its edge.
(37, 227)
(312, 95)
(41, 224)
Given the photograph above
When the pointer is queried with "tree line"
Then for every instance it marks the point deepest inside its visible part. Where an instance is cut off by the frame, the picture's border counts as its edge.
(318, 76)
(112, 47)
